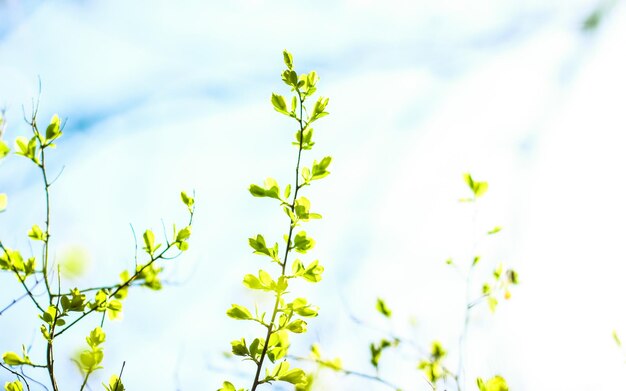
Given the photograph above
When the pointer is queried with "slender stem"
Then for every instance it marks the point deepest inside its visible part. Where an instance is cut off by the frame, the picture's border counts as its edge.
(46, 238)
(119, 378)
(98, 288)
(50, 350)
(292, 225)
(15, 301)
(22, 280)
(119, 287)
(18, 375)
(82, 386)
(348, 372)
(469, 304)
(50, 362)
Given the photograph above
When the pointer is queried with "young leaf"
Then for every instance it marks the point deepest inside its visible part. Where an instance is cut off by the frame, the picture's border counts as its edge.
(616, 338)
(14, 386)
(36, 233)
(496, 383)
(53, 131)
(13, 359)
(148, 239)
(227, 386)
(303, 243)
(239, 312)
(4, 149)
(239, 347)
(187, 200)
(495, 230)
(278, 101)
(319, 169)
(288, 58)
(115, 384)
(381, 307)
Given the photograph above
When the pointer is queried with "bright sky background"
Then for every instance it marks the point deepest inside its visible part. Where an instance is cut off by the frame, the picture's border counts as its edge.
(167, 96)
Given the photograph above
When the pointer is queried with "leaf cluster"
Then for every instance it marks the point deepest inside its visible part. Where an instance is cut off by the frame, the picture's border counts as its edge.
(64, 309)
(288, 315)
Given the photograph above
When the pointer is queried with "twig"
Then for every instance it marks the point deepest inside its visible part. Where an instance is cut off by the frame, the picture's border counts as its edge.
(256, 382)
(17, 374)
(347, 372)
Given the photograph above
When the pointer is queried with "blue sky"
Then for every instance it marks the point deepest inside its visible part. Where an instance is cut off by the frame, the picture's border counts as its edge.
(165, 96)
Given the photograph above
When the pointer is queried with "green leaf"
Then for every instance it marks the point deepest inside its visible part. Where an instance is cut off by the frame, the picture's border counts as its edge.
(260, 247)
(312, 79)
(53, 131)
(478, 188)
(27, 148)
(11, 260)
(313, 272)
(616, 338)
(512, 277)
(318, 109)
(294, 376)
(297, 326)
(291, 79)
(437, 352)
(282, 372)
(319, 169)
(239, 312)
(481, 188)
(183, 234)
(76, 303)
(270, 189)
(13, 359)
(239, 347)
(497, 272)
(305, 136)
(495, 230)
(96, 337)
(287, 191)
(148, 239)
(187, 200)
(115, 384)
(21, 144)
(288, 58)
(303, 243)
(227, 386)
(36, 233)
(252, 282)
(4, 149)
(265, 282)
(376, 351)
(278, 101)
(381, 307)
(256, 347)
(301, 307)
(89, 360)
(4, 201)
(493, 303)
(114, 309)
(496, 383)
(13, 386)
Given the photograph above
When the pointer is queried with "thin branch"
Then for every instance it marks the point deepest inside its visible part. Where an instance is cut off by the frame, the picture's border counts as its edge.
(292, 224)
(33, 380)
(348, 372)
(22, 280)
(128, 282)
(15, 301)
(17, 374)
